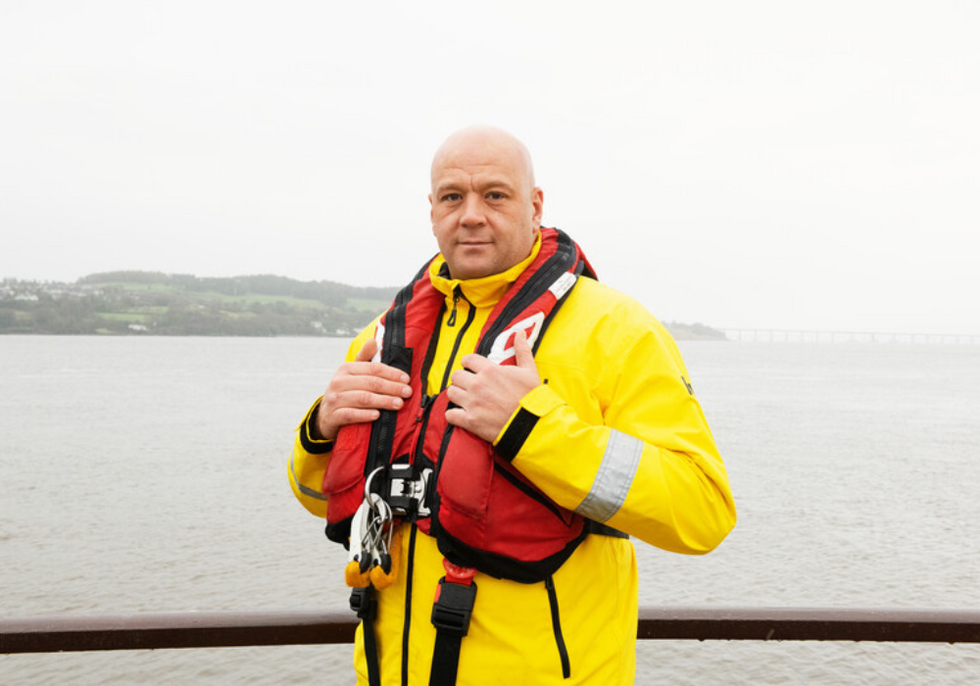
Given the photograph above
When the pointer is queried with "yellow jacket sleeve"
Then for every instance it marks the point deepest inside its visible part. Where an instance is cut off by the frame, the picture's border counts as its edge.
(308, 461)
(307, 465)
(628, 444)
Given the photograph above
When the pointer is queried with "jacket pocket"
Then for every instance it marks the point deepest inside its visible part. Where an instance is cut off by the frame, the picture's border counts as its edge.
(566, 667)
(343, 481)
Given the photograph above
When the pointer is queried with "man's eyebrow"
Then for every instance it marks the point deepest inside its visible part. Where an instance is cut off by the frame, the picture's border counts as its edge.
(503, 183)
(446, 186)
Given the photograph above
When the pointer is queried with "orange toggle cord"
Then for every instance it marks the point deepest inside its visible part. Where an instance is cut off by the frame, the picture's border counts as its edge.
(379, 579)
(375, 576)
(353, 575)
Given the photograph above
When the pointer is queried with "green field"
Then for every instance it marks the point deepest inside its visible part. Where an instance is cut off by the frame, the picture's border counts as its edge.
(366, 305)
(186, 305)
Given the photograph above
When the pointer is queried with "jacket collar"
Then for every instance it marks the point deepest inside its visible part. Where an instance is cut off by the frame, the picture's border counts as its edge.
(486, 290)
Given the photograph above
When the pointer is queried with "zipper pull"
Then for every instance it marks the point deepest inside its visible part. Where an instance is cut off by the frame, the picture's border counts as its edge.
(452, 315)
(424, 404)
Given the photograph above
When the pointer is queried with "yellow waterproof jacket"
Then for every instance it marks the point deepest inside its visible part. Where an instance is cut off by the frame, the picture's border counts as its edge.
(620, 439)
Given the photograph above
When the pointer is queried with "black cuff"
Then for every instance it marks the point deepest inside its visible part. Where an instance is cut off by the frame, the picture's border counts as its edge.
(310, 445)
(513, 439)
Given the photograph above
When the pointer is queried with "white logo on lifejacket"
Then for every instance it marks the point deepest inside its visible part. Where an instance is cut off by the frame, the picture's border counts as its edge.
(562, 284)
(503, 345)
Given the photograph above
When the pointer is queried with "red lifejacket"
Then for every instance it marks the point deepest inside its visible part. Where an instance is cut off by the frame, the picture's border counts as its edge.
(482, 511)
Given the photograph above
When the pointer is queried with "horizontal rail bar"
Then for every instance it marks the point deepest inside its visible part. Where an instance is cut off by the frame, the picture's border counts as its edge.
(222, 629)
(810, 624)
(56, 633)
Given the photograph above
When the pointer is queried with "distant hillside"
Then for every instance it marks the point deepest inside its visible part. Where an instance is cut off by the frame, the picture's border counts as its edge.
(133, 303)
(153, 303)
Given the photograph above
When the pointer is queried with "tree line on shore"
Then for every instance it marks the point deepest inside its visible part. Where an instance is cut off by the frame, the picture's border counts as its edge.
(140, 303)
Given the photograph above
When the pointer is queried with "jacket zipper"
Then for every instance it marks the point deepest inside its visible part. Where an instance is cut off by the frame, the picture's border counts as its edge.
(470, 316)
(457, 292)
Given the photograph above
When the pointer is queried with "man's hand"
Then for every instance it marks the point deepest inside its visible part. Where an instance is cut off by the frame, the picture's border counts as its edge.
(488, 393)
(358, 391)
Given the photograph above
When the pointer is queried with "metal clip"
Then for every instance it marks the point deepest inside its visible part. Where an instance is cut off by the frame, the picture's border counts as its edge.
(371, 531)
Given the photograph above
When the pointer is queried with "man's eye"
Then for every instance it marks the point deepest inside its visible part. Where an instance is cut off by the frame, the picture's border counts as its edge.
(494, 195)
(452, 197)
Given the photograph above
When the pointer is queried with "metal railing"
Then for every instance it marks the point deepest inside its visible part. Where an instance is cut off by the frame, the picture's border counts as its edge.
(222, 629)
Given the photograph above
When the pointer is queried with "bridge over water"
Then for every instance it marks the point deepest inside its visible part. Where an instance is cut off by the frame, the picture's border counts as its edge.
(805, 336)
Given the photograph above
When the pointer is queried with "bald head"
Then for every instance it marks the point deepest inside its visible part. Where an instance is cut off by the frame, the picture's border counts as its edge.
(476, 143)
(486, 210)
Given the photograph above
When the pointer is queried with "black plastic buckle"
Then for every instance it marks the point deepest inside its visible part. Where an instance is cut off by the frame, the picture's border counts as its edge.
(363, 603)
(453, 607)
(407, 490)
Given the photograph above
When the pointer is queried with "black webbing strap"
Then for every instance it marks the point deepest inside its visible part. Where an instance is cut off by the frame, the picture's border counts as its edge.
(599, 529)
(451, 617)
(366, 607)
(566, 666)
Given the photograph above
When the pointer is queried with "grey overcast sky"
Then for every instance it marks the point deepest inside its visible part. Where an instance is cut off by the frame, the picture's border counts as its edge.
(797, 165)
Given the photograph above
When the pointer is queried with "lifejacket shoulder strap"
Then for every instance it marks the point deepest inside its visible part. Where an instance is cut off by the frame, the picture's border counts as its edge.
(396, 353)
(563, 263)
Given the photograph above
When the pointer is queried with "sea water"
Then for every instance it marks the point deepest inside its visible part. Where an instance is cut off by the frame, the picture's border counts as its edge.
(149, 474)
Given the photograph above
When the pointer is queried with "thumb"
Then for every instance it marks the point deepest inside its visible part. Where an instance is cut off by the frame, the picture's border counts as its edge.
(368, 351)
(522, 352)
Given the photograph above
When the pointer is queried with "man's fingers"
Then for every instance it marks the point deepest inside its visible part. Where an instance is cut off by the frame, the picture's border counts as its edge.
(460, 379)
(362, 399)
(456, 417)
(364, 366)
(522, 352)
(375, 369)
(351, 415)
(340, 408)
(475, 363)
(360, 390)
(367, 351)
(392, 383)
(455, 392)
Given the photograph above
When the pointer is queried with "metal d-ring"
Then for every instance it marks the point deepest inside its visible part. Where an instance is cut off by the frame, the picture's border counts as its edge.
(379, 517)
(367, 485)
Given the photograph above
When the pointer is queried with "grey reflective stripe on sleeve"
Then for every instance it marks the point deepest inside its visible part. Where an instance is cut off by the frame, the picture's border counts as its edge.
(614, 478)
(305, 490)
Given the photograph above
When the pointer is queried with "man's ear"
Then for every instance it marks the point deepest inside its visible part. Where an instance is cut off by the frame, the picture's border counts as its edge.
(537, 201)
(432, 213)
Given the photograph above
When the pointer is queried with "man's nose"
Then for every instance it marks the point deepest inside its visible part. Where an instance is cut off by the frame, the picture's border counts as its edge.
(473, 211)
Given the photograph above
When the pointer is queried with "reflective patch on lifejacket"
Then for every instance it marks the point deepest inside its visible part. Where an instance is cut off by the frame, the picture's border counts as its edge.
(614, 478)
(305, 490)
(503, 345)
(379, 336)
(562, 284)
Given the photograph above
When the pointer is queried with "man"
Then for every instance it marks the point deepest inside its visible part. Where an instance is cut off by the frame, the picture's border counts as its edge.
(573, 427)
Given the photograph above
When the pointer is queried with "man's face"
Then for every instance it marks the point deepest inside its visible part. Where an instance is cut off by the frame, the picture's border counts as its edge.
(485, 213)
